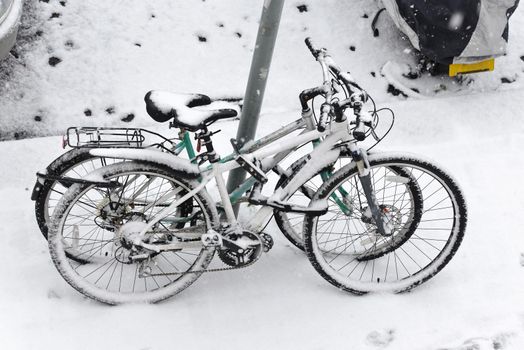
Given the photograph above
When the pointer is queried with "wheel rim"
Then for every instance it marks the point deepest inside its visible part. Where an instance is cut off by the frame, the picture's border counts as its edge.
(340, 242)
(102, 258)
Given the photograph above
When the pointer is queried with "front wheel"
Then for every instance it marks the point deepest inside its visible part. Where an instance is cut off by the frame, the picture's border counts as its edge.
(422, 202)
(96, 226)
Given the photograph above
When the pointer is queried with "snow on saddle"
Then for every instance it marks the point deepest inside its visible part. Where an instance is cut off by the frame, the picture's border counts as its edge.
(182, 109)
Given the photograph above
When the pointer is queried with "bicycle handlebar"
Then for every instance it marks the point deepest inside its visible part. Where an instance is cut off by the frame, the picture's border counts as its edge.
(311, 47)
(356, 100)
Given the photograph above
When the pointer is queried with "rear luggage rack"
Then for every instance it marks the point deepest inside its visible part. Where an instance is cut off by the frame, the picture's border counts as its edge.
(93, 137)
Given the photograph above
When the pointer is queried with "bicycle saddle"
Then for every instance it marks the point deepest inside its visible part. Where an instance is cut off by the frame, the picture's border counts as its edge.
(163, 106)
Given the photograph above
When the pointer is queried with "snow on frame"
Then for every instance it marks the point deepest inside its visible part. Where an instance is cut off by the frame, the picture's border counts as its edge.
(148, 155)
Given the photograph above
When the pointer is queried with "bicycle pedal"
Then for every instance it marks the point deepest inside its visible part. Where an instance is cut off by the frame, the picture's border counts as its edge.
(251, 168)
(267, 241)
(212, 239)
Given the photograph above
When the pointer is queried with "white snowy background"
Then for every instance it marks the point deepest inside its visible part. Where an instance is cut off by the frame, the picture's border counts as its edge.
(91, 62)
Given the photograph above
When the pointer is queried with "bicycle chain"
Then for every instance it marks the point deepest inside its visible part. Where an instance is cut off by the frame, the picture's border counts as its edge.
(199, 271)
(267, 243)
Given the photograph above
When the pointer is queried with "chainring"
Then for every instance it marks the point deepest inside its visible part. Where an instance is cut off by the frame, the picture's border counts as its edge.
(235, 256)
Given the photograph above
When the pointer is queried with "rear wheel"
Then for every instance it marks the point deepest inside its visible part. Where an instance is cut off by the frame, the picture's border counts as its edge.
(96, 226)
(345, 247)
(75, 163)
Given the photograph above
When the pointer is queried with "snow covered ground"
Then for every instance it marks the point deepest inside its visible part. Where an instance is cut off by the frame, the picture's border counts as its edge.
(91, 63)
(476, 302)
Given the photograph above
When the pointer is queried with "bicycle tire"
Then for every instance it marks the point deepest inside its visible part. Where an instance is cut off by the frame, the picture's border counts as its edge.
(107, 247)
(444, 205)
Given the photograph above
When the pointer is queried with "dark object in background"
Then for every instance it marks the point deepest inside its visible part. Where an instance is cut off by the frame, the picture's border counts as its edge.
(454, 31)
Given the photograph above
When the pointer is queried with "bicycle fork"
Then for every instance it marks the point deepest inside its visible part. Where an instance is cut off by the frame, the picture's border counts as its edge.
(364, 173)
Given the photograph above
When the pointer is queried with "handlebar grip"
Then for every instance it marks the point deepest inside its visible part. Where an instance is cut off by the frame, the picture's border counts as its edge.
(360, 131)
(324, 114)
(311, 47)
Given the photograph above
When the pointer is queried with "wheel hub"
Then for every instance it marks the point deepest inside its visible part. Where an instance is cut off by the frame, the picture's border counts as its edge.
(111, 213)
(129, 231)
(391, 215)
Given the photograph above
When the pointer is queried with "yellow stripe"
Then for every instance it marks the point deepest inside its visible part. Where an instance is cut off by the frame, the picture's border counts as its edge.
(484, 66)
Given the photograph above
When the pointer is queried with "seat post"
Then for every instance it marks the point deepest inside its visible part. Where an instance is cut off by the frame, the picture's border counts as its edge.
(205, 136)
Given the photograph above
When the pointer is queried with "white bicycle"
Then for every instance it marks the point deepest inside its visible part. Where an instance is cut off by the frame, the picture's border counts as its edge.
(145, 229)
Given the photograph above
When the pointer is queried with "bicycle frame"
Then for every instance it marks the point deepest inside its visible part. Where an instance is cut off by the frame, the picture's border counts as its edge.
(268, 154)
(306, 122)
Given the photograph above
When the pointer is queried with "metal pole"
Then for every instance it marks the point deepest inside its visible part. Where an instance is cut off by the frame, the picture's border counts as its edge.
(256, 85)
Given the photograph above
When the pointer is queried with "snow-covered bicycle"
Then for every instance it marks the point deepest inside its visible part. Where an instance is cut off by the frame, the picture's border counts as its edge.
(146, 228)
(72, 166)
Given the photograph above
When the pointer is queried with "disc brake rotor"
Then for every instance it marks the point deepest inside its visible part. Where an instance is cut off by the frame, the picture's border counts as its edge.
(392, 218)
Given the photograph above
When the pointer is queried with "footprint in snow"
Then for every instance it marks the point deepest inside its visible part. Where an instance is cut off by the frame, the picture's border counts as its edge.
(302, 8)
(110, 110)
(53, 61)
(69, 45)
(506, 80)
(521, 259)
(128, 118)
(202, 38)
(51, 294)
(381, 339)
(498, 342)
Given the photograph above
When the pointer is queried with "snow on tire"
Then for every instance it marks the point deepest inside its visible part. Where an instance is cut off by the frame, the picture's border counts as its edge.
(343, 245)
(85, 224)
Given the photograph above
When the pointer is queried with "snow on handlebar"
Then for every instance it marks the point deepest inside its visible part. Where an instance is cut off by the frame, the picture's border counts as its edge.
(311, 47)
(356, 100)
(324, 115)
